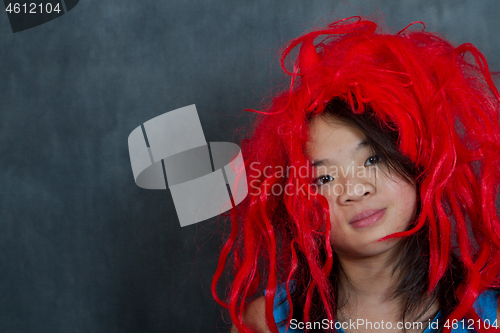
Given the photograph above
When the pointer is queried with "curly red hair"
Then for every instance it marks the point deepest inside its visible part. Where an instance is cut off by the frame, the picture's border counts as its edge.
(443, 103)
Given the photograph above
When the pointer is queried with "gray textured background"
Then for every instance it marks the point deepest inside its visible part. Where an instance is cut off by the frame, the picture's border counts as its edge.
(82, 249)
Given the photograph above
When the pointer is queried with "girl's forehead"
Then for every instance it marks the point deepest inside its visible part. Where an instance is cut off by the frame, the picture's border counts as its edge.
(330, 138)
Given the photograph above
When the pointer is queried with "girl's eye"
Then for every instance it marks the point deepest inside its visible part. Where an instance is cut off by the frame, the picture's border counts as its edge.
(374, 159)
(322, 180)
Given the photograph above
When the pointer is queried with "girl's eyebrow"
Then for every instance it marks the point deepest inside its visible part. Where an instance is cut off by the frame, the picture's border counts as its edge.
(361, 145)
(326, 161)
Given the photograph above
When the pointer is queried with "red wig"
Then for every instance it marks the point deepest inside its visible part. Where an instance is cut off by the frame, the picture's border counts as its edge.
(444, 105)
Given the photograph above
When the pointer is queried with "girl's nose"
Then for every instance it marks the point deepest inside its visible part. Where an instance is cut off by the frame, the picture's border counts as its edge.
(356, 189)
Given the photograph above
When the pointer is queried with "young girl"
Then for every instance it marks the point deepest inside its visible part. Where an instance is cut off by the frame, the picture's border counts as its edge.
(372, 186)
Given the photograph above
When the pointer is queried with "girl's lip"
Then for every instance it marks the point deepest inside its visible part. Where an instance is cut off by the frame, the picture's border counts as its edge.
(366, 218)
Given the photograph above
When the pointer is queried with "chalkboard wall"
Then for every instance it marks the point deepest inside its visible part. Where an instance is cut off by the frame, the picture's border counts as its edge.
(82, 248)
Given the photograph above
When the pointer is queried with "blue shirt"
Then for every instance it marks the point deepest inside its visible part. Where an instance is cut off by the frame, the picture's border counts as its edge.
(485, 306)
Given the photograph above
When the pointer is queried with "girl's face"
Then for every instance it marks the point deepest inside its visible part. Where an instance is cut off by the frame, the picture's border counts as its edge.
(367, 202)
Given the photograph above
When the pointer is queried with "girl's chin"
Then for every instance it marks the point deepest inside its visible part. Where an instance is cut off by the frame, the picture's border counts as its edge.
(370, 250)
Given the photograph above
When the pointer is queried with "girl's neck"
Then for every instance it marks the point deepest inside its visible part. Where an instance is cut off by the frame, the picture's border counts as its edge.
(369, 278)
(367, 288)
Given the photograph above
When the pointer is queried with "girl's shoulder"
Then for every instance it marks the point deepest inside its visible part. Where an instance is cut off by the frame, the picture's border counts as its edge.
(255, 312)
(255, 316)
(486, 306)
